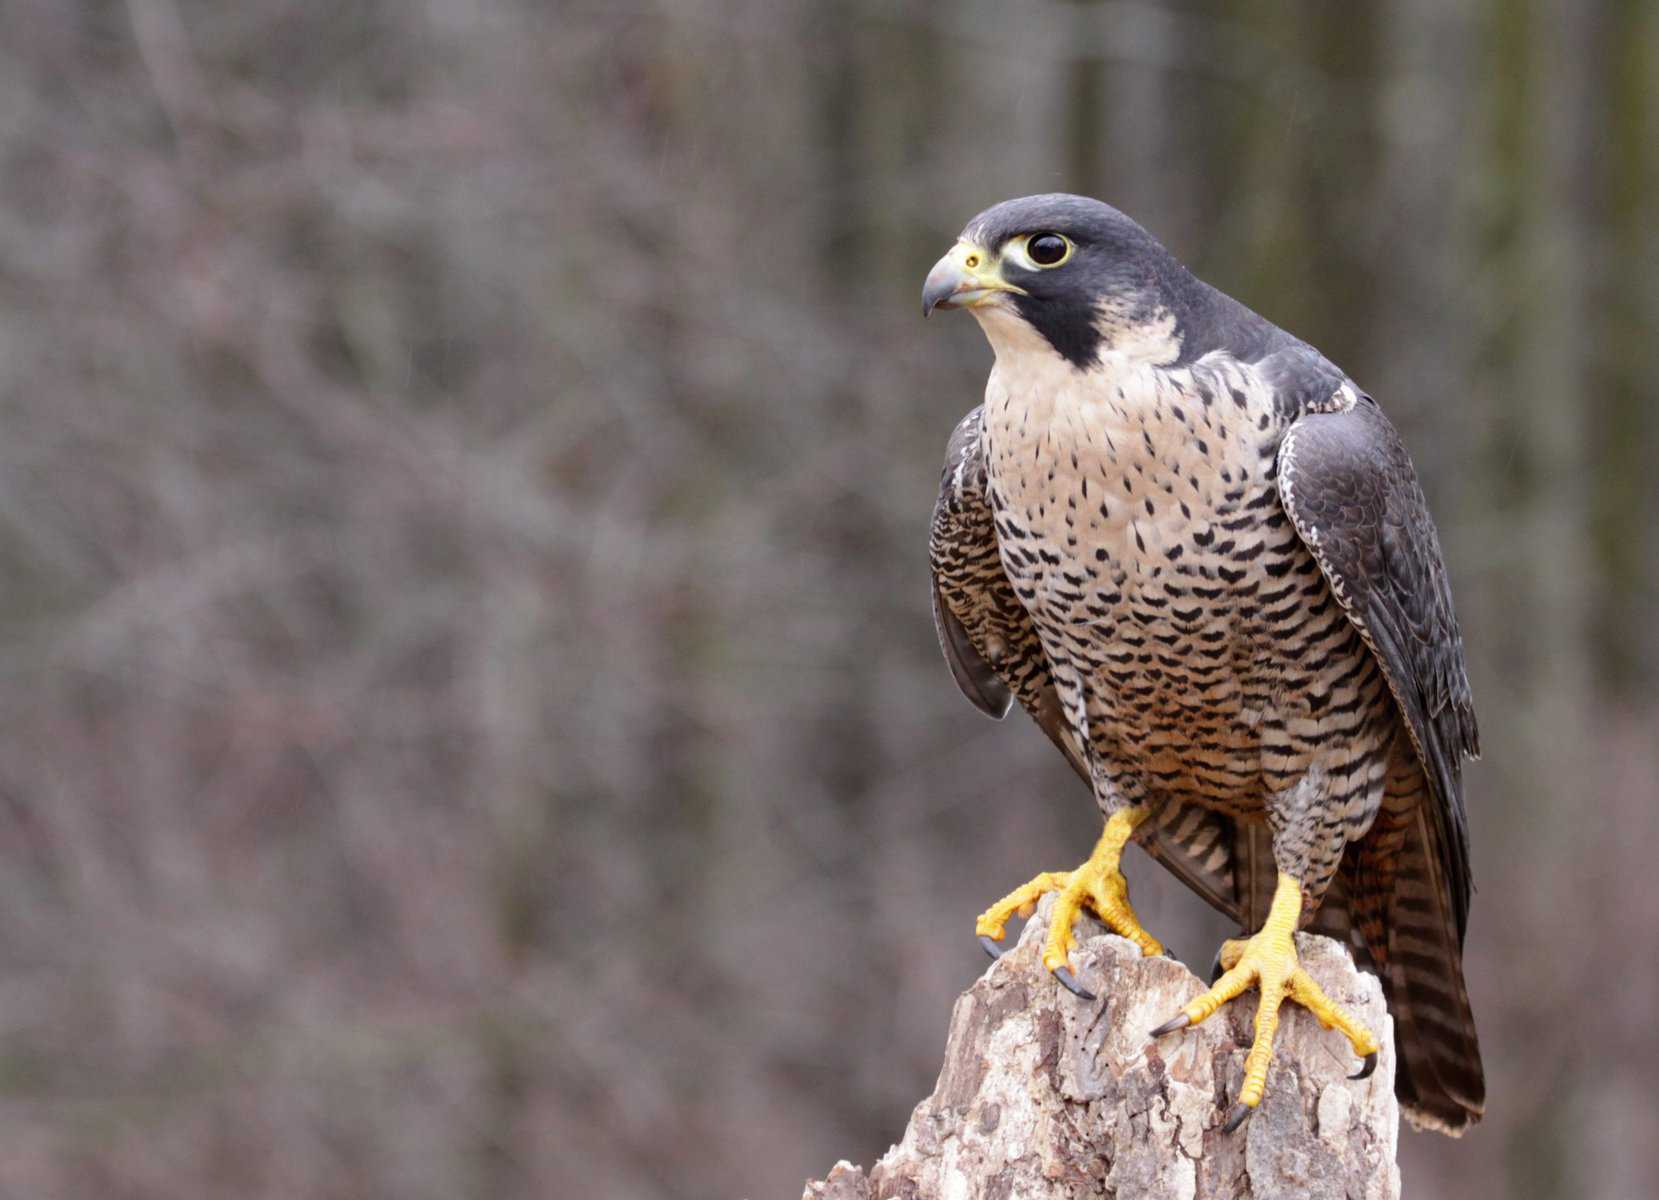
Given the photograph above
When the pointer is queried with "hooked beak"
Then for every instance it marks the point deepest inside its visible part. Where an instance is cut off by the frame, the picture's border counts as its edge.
(967, 277)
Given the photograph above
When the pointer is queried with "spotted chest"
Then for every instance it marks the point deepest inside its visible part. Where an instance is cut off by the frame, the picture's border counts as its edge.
(1193, 639)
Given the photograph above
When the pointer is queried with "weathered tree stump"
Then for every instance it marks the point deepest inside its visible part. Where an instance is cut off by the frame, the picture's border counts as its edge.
(1044, 1095)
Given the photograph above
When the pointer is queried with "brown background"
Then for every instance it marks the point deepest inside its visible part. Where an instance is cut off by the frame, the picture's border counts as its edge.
(470, 723)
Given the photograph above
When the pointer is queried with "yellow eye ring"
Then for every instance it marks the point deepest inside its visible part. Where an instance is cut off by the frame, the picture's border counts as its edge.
(1047, 249)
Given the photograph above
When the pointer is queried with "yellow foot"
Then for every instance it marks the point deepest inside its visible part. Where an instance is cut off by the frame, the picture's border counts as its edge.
(1098, 883)
(1269, 960)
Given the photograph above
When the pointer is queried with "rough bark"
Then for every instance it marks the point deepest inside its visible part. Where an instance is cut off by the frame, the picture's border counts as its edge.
(1044, 1095)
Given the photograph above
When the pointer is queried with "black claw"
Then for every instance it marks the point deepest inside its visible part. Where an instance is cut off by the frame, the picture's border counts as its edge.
(1236, 1117)
(991, 948)
(1069, 982)
(1367, 1067)
(1216, 969)
(1171, 955)
(1179, 1021)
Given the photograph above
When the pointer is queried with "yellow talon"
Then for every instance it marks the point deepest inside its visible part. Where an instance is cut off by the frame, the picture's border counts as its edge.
(1269, 961)
(1098, 883)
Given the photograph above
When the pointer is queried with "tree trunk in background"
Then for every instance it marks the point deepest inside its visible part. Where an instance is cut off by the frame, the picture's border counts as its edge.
(1534, 249)
(1558, 230)
(1626, 490)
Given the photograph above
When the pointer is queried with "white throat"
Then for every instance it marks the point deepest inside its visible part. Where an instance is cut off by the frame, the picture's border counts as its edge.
(1011, 337)
(1125, 339)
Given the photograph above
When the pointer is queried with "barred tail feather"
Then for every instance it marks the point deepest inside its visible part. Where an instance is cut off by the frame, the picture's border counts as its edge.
(1404, 915)
(1440, 1084)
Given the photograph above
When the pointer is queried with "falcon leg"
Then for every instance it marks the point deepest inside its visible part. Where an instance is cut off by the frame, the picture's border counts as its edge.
(1098, 884)
(1269, 960)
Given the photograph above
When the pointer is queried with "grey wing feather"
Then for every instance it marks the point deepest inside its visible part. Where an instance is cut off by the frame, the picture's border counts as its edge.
(1348, 485)
(995, 656)
(967, 573)
(973, 675)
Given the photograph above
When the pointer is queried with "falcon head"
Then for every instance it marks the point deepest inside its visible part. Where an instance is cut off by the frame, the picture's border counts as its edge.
(1073, 271)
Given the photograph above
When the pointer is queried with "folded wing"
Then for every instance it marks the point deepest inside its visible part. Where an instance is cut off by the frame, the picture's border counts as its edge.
(1348, 485)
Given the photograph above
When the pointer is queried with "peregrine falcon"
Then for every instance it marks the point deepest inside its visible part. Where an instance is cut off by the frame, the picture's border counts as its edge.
(1197, 554)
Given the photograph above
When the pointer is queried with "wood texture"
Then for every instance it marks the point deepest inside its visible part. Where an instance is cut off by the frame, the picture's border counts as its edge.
(1045, 1096)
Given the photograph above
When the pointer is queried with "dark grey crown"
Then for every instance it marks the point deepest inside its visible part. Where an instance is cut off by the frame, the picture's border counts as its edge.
(1115, 260)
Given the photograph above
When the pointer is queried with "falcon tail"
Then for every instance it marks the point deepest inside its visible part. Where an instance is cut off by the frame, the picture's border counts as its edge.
(1441, 1084)
(1401, 909)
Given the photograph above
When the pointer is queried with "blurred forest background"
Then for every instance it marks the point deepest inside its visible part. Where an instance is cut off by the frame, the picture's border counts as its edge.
(471, 719)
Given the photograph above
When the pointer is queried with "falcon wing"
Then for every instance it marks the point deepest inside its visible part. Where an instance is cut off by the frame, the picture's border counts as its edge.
(1350, 491)
(986, 634)
(974, 676)
(994, 654)
(1349, 488)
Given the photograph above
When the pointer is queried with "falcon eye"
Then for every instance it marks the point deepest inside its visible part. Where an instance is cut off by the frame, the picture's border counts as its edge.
(1047, 249)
